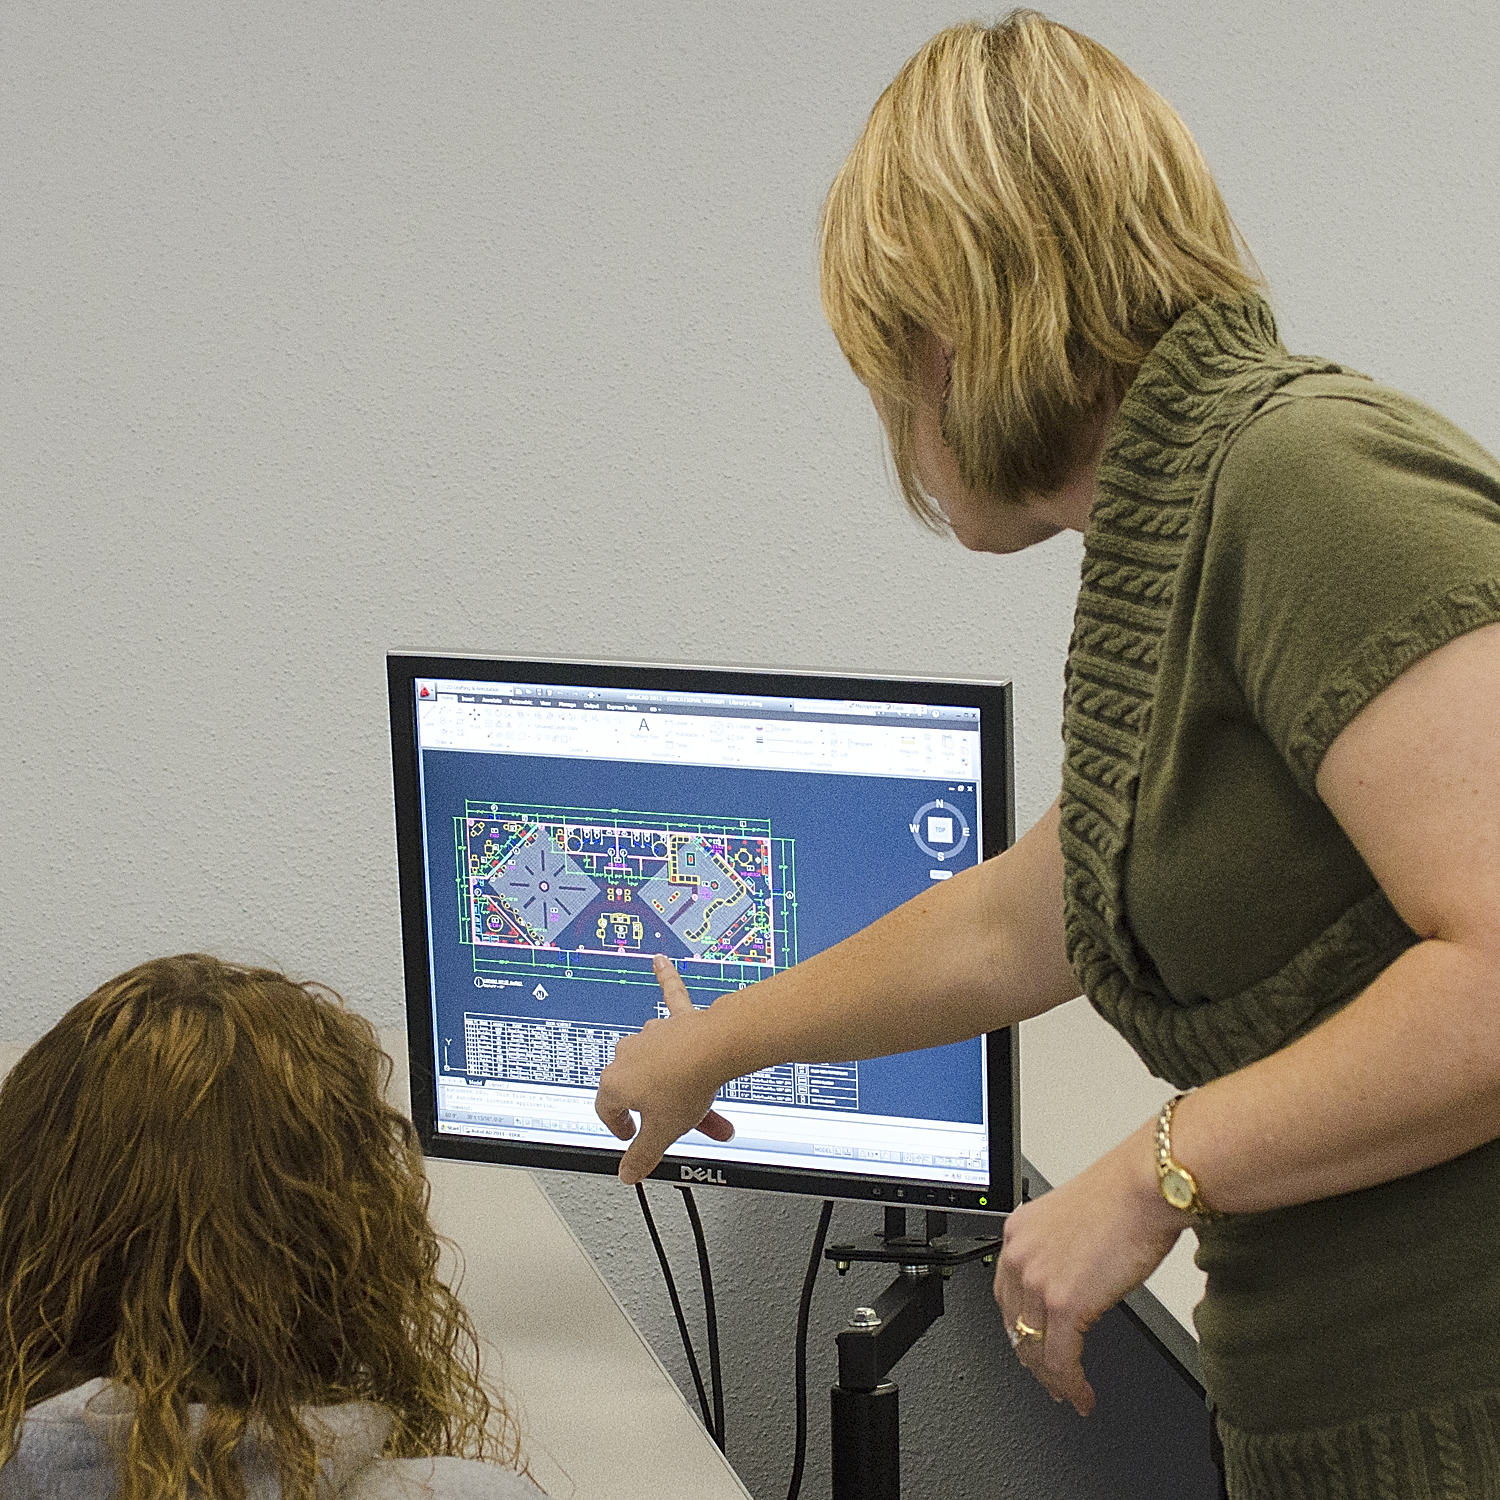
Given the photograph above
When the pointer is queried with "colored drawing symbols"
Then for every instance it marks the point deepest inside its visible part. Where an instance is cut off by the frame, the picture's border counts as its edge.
(541, 888)
(565, 879)
(704, 899)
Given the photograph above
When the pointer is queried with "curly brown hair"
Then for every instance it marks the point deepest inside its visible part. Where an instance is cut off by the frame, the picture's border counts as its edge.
(205, 1196)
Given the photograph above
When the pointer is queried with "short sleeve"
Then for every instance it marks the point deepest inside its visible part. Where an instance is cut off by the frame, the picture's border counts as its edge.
(1353, 531)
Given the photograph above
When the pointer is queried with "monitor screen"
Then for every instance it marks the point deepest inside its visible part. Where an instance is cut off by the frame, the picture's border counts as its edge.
(560, 823)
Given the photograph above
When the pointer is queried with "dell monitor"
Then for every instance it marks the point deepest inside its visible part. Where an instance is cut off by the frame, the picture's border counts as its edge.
(558, 823)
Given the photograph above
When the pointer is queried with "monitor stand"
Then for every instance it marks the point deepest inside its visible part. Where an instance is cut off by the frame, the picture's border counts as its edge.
(866, 1410)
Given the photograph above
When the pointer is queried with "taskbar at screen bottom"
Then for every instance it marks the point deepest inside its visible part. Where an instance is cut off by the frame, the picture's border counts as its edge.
(746, 1150)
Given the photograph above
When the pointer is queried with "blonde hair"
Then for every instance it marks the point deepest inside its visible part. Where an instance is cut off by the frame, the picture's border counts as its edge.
(204, 1195)
(1019, 194)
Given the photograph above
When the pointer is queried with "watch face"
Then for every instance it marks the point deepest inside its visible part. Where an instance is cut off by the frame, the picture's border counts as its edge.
(1177, 1188)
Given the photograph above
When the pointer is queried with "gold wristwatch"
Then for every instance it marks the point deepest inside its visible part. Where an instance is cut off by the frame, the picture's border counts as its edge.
(1174, 1179)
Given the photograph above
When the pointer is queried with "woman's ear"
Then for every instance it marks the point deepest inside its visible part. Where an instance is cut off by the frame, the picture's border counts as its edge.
(934, 366)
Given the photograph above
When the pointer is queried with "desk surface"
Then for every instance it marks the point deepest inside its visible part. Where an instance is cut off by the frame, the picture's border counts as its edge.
(599, 1415)
(601, 1419)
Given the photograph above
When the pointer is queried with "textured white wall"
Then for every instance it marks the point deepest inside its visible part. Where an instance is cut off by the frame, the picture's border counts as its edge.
(327, 329)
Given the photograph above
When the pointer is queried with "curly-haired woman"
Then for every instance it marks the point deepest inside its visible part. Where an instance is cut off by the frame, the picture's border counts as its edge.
(217, 1274)
(1275, 862)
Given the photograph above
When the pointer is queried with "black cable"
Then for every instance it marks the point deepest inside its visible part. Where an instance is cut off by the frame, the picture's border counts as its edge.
(715, 1374)
(687, 1343)
(804, 1312)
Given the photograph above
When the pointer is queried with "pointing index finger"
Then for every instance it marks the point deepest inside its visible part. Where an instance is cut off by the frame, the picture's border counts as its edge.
(673, 990)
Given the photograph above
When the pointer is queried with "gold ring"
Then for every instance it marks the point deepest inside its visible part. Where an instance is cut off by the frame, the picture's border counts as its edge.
(1023, 1331)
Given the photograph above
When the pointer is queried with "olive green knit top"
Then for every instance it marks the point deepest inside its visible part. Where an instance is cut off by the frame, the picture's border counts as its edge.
(1274, 541)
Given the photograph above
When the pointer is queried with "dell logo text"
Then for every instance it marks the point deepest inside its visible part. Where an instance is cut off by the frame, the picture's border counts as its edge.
(702, 1174)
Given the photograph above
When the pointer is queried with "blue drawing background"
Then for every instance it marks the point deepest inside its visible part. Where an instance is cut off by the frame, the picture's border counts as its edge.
(855, 859)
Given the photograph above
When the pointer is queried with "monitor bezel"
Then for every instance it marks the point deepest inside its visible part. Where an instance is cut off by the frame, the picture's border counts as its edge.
(997, 780)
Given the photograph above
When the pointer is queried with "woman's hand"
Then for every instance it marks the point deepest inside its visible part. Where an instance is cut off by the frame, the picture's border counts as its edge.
(1071, 1254)
(666, 1074)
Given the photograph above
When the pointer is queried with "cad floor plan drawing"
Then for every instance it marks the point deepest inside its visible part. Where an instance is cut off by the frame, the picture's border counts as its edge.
(590, 881)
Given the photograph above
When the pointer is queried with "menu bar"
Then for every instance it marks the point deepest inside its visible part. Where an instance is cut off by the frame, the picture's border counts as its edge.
(649, 732)
(532, 694)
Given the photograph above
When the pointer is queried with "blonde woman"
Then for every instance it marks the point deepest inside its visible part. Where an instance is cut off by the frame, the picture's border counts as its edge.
(1274, 864)
(217, 1275)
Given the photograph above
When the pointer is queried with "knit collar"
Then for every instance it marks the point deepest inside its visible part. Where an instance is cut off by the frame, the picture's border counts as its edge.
(1208, 375)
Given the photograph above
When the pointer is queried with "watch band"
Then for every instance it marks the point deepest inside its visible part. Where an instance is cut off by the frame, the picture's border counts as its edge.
(1178, 1186)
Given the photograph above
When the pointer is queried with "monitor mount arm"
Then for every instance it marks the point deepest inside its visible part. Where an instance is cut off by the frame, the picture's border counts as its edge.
(866, 1409)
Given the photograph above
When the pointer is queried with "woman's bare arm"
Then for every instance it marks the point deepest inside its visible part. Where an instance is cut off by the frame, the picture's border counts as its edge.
(974, 953)
(1408, 1074)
